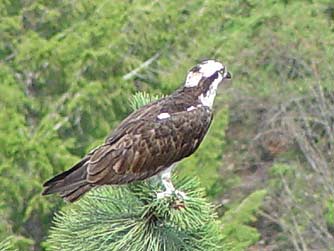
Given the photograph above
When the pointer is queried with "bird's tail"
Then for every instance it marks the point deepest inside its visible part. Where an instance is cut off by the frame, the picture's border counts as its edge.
(71, 184)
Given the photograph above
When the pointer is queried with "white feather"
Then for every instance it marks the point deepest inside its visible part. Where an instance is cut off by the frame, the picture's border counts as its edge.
(193, 79)
(190, 108)
(163, 115)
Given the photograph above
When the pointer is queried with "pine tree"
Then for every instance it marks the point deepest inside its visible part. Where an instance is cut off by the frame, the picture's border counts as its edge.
(132, 218)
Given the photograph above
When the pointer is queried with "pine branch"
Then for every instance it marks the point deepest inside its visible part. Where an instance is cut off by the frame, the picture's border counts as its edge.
(132, 218)
(142, 98)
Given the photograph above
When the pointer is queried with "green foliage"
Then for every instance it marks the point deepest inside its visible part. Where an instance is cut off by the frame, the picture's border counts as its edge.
(6, 245)
(279, 170)
(25, 160)
(329, 216)
(132, 218)
(237, 235)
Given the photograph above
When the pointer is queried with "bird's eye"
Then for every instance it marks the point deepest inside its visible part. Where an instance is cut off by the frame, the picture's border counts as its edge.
(222, 70)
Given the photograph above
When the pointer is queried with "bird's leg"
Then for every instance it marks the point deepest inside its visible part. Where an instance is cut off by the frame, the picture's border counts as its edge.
(166, 179)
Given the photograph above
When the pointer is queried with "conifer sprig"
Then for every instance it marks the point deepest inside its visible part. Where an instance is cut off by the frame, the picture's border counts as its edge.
(132, 218)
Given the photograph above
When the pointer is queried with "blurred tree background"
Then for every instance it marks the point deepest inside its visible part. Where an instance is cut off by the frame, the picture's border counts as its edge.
(68, 68)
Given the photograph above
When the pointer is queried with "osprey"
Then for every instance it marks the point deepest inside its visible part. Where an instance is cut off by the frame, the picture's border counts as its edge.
(150, 140)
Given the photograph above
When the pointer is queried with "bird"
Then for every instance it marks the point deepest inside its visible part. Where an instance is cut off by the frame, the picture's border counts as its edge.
(151, 140)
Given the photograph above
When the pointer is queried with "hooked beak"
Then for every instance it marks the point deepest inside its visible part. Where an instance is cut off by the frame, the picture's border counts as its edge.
(227, 75)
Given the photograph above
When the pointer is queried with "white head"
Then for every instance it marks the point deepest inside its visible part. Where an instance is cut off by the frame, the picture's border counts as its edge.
(206, 76)
(205, 69)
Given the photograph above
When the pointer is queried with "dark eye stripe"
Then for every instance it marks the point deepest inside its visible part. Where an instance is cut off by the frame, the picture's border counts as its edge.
(208, 81)
(213, 77)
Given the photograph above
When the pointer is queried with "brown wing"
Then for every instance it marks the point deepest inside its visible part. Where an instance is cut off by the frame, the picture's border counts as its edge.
(141, 148)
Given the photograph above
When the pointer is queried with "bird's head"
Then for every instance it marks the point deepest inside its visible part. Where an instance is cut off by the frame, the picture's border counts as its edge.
(205, 77)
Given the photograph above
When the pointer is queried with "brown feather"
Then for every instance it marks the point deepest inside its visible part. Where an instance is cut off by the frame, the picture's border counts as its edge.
(140, 147)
